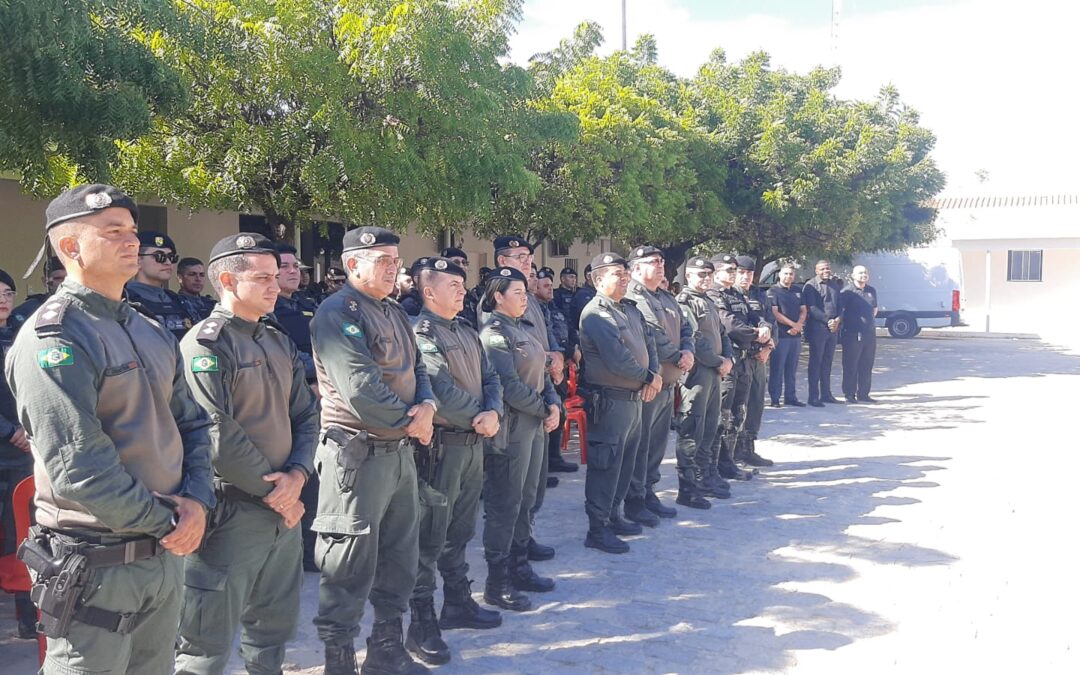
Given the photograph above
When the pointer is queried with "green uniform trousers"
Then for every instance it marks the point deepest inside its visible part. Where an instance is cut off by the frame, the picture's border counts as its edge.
(368, 524)
(699, 420)
(248, 574)
(613, 440)
(652, 443)
(510, 483)
(148, 587)
(734, 389)
(445, 530)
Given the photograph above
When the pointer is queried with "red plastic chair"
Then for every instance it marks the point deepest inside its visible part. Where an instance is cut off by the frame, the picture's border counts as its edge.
(572, 400)
(14, 577)
(579, 417)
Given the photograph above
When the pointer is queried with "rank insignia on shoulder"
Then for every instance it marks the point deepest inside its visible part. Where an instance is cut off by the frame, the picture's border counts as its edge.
(204, 364)
(54, 357)
(351, 329)
(496, 340)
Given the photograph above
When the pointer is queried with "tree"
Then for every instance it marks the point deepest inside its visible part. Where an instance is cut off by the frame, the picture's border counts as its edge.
(369, 111)
(72, 79)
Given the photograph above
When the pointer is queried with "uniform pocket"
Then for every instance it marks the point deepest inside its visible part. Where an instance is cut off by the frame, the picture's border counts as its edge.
(205, 603)
(601, 455)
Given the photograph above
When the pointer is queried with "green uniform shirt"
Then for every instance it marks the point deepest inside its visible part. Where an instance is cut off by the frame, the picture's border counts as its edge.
(670, 331)
(617, 350)
(519, 357)
(101, 393)
(250, 380)
(704, 319)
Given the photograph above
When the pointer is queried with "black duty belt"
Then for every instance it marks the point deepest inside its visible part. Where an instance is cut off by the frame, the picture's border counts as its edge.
(620, 394)
(234, 493)
(451, 437)
(343, 438)
(108, 554)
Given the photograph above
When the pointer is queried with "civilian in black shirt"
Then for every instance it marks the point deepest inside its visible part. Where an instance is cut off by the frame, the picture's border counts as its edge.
(858, 307)
(821, 295)
(790, 313)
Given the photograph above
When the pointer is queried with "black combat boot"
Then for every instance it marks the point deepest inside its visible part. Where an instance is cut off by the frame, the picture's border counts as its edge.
(751, 457)
(500, 592)
(459, 610)
(743, 446)
(26, 612)
(653, 503)
(522, 575)
(539, 552)
(634, 509)
(689, 495)
(707, 488)
(602, 538)
(623, 527)
(726, 467)
(424, 639)
(340, 659)
(386, 654)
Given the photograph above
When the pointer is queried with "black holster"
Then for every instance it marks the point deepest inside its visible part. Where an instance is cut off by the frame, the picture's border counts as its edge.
(58, 581)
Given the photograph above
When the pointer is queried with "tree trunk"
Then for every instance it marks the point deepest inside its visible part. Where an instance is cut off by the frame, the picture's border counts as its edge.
(674, 256)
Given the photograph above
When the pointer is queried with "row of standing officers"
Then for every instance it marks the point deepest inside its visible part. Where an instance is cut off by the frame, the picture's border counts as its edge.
(139, 442)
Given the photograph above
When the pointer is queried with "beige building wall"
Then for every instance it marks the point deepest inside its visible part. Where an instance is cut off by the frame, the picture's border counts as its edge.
(1019, 306)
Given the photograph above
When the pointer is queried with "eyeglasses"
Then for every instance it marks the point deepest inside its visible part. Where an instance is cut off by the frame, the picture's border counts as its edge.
(651, 261)
(521, 257)
(161, 257)
(384, 261)
(7, 295)
(460, 262)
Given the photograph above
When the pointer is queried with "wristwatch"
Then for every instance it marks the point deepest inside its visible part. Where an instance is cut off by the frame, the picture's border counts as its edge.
(434, 405)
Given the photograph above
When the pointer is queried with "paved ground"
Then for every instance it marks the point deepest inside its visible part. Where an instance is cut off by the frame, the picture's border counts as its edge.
(928, 533)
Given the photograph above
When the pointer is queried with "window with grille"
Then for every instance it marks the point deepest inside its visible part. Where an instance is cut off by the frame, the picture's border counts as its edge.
(557, 249)
(1025, 265)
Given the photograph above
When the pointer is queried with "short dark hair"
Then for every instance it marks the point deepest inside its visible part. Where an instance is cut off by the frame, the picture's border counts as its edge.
(185, 263)
(495, 285)
(282, 247)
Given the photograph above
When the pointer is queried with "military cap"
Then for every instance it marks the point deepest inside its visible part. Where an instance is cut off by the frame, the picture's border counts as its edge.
(85, 200)
(588, 269)
(454, 252)
(305, 266)
(156, 240)
(416, 265)
(511, 241)
(545, 273)
(245, 242)
(52, 264)
(439, 264)
(724, 259)
(645, 252)
(568, 270)
(484, 272)
(511, 273)
(5, 278)
(745, 262)
(367, 237)
(336, 271)
(700, 262)
(609, 259)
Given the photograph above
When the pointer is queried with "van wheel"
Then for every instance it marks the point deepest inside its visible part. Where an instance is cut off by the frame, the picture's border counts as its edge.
(903, 326)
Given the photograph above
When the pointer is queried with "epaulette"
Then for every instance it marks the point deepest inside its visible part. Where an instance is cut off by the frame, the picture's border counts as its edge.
(523, 320)
(50, 317)
(270, 321)
(423, 327)
(138, 307)
(210, 331)
(628, 302)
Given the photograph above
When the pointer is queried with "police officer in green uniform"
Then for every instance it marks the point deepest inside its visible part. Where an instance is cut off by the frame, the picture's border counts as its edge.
(621, 371)
(244, 371)
(761, 312)
(471, 304)
(157, 255)
(699, 403)
(514, 459)
(452, 468)
(121, 450)
(375, 397)
(674, 341)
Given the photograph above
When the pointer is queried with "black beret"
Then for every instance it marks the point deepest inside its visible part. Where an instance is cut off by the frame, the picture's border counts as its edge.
(439, 264)
(5, 278)
(545, 273)
(608, 259)
(512, 273)
(645, 252)
(416, 266)
(156, 240)
(245, 242)
(745, 262)
(700, 262)
(53, 264)
(366, 237)
(568, 270)
(588, 269)
(453, 252)
(85, 200)
(484, 271)
(336, 271)
(511, 241)
(723, 259)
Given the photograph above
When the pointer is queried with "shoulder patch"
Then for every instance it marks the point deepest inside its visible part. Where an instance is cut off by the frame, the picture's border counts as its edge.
(496, 340)
(210, 331)
(351, 329)
(204, 364)
(427, 347)
(54, 357)
(51, 315)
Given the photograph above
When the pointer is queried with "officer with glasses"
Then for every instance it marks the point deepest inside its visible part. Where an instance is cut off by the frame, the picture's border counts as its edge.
(148, 291)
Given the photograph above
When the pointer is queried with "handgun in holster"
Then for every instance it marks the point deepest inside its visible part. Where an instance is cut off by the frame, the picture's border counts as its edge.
(58, 581)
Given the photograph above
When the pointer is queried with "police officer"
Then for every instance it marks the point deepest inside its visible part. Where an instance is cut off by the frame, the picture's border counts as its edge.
(821, 295)
(53, 277)
(544, 294)
(564, 294)
(758, 363)
(15, 460)
(858, 309)
(409, 295)
(582, 297)
(121, 449)
(789, 311)
(674, 341)
(191, 274)
(452, 469)
(375, 396)
(157, 255)
(748, 334)
(245, 372)
(514, 459)
(700, 400)
(621, 371)
(471, 304)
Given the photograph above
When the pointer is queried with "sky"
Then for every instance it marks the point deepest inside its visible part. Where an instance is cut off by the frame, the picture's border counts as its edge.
(994, 80)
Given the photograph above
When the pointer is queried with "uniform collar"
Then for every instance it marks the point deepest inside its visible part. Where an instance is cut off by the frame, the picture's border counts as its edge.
(95, 303)
(242, 326)
(506, 319)
(147, 289)
(428, 315)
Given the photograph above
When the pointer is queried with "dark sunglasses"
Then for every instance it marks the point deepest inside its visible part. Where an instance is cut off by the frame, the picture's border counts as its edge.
(162, 257)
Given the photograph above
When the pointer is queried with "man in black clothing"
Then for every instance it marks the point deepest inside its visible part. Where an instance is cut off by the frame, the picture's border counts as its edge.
(191, 273)
(821, 295)
(790, 314)
(858, 307)
(581, 298)
(53, 277)
(564, 294)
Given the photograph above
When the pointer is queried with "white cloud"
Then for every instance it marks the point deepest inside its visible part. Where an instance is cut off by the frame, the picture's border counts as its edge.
(993, 79)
